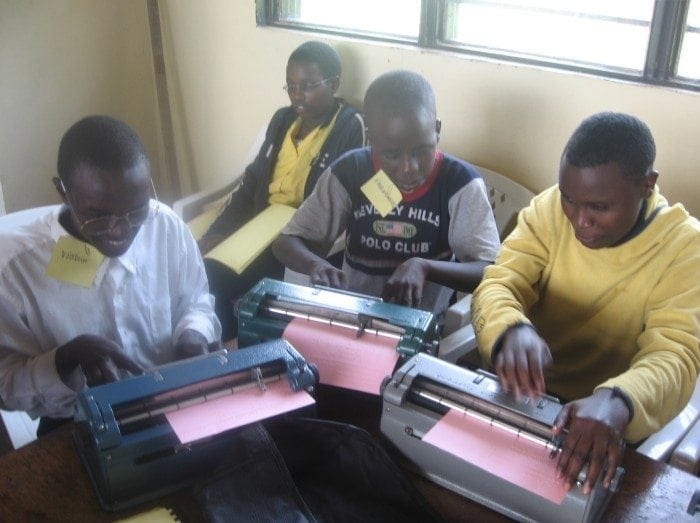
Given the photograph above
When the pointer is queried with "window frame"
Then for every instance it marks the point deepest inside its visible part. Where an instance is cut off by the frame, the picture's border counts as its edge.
(662, 53)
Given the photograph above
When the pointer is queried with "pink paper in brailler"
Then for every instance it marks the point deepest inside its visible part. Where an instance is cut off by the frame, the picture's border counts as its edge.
(499, 452)
(343, 359)
(235, 410)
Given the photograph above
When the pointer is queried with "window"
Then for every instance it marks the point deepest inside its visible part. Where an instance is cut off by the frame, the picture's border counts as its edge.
(656, 41)
(689, 63)
(591, 32)
(353, 16)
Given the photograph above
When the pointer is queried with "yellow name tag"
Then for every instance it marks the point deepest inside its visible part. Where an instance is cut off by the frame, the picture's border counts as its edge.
(74, 261)
(382, 193)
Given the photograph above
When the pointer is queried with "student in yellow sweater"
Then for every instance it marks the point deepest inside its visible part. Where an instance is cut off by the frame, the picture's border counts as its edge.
(595, 297)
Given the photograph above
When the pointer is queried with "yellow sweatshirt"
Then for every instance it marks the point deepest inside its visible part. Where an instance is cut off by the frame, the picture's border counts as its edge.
(625, 316)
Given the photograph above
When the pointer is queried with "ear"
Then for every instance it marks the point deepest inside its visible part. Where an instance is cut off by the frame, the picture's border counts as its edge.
(650, 182)
(334, 83)
(438, 128)
(60, 187)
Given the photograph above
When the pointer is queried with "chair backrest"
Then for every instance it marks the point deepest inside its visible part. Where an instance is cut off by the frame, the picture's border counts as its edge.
(11, 221)
(20, 427)
(2, 201)
(667, 444)
(507, 198)
(199, 203)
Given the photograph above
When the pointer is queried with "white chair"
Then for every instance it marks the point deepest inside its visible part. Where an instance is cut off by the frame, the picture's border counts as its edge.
(2, 201)
(11, 221)
(678, 442)
(20, 427)
(507, 198)
(201, 208)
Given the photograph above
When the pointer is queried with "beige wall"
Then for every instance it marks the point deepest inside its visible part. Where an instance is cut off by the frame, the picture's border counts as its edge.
(61, 60)
(227, 75)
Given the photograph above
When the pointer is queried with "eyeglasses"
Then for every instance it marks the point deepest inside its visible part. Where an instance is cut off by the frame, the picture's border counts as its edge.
(304, 87)
(103, 224)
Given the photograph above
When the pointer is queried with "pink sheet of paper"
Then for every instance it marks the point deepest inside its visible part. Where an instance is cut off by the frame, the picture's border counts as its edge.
(494, 450)
(342, 359)
(235, 410)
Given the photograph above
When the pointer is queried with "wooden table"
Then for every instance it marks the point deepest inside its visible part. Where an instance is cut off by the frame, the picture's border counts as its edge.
(45, 481)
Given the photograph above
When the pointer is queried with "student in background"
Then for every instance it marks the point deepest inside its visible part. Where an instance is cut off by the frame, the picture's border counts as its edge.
(300, 143)
(438, 237)
(595, 297)
(112, 283)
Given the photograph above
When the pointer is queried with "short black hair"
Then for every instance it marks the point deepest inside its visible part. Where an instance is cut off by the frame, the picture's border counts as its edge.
(323, 55)
(612, 137)
(399, 92)
(99, 141)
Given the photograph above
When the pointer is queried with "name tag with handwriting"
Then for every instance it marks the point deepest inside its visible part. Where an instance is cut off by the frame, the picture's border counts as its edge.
(382, 193)
(74, 261)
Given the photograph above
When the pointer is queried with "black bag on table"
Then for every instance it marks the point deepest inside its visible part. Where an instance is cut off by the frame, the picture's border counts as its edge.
(300, 469)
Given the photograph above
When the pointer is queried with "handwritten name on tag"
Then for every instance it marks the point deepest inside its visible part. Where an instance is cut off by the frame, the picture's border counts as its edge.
(74, 262)
(382, 193)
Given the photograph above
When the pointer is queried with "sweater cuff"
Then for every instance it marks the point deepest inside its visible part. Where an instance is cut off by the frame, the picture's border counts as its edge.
(617, 392)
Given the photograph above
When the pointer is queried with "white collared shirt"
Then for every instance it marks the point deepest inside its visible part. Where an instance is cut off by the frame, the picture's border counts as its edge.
(142, 300)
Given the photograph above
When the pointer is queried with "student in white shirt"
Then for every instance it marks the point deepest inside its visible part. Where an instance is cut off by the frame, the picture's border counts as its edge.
(146, 301)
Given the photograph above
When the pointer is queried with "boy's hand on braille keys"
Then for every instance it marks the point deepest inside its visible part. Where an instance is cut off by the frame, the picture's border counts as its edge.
(99, 359)
(405, 285)
(326, 275)
(521, 360)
